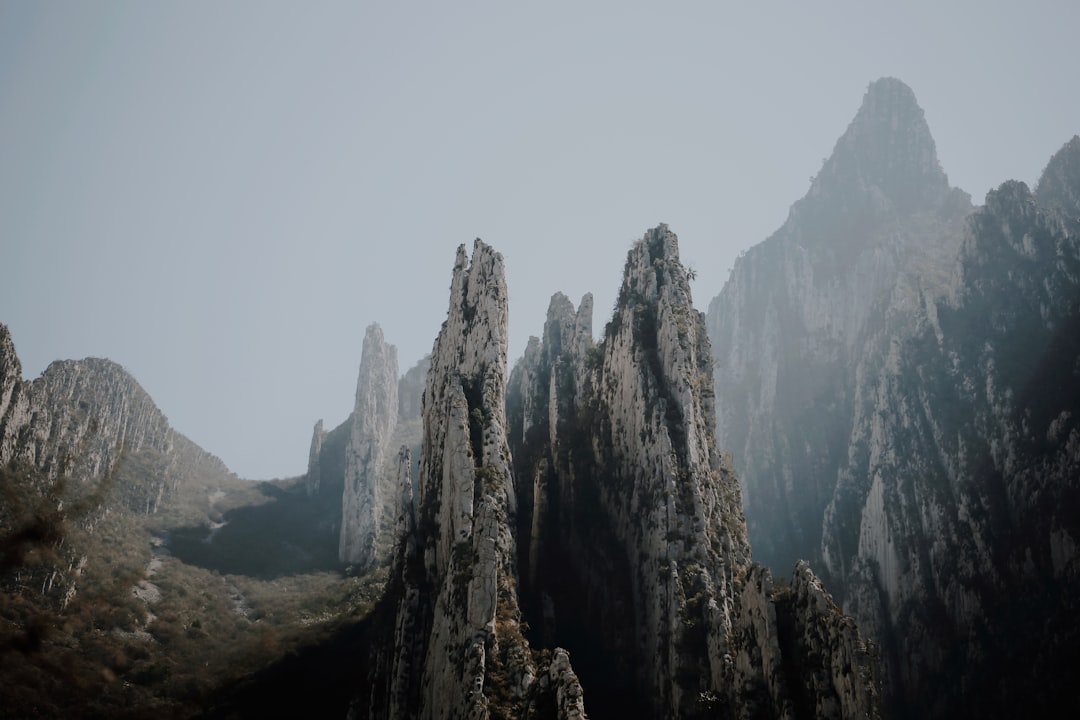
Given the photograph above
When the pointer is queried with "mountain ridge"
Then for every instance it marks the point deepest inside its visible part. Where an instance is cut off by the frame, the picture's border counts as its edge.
(889, 430)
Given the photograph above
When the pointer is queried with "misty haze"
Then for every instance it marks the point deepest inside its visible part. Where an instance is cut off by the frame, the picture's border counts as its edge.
(619, 362)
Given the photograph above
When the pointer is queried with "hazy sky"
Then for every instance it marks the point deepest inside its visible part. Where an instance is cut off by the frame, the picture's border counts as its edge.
(221, 196)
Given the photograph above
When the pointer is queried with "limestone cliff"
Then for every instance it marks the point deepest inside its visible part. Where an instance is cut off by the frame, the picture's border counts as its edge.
(372, 425)
(876, 230)
(313, 478)
(81, 417)
(86, 439)
(453, 645)
(632, 526)
(351, 472)
(14, 402)
(896, 381)
(954, 519)
(411, 390)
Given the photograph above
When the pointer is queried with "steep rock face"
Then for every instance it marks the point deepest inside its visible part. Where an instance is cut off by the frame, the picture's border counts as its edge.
(905, 416)
(87, 441)
(1059, 186)
(634, 538)
(14, 403)
(84, 415)
(314, 472)
(81, 418)
(875, 233)
(954, 522)
(372, 425)
(350, 472)
(453, 645)
(411, 390)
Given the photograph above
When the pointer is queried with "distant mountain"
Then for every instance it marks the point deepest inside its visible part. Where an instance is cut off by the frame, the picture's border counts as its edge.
(351, 469)
(896, 380)
(878, 230)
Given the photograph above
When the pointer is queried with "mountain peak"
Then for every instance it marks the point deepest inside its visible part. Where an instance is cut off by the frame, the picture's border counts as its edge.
(892, 91)
(886, 154)
(1059, 186)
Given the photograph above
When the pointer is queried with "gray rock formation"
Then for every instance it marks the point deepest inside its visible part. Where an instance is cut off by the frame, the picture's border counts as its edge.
(14, 403)
(372, 425)
(875, 233)
(314, 470)
(81, 417)
(953, 518)
(896, 380)
(453, 645)
(636, 549)
(350, 472)
(411, 390)
(86, 438)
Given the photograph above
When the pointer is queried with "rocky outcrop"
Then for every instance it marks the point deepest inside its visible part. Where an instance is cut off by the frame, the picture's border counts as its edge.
(807, 654)
(632, 527)
(875, 233)
(81, 418)
(964, 475)
(313, 478)
(14, 402)
(411, 390)
(896, 384)
(83, 443)
(372, 425)
(453, 645)
(351, 475)
(1059, 187)
(84, 415)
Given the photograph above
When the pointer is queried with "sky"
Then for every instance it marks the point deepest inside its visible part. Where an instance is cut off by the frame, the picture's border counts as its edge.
(222, 196)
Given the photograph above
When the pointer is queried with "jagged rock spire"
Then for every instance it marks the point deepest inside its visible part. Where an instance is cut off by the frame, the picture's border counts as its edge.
(885, 163)
(637, 547)
(313, 479)
(464, 405)
(373, 420)
(457, 648)
(642, 553)
(668, 498)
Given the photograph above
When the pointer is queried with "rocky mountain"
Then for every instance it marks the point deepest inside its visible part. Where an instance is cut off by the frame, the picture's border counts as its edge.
(93, 480)
(896, 378)
(73, 435)
(573, 532)
(138, 576)
(452, 642)
(609, 524)
(878, 229)
(895, 372)
(373, 421)
(352, 472)
(82, 417)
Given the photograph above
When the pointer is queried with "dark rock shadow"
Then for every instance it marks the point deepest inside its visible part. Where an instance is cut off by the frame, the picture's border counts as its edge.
(290, 534)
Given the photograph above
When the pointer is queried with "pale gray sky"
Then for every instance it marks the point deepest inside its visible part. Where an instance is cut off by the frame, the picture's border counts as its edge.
(221, 196)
